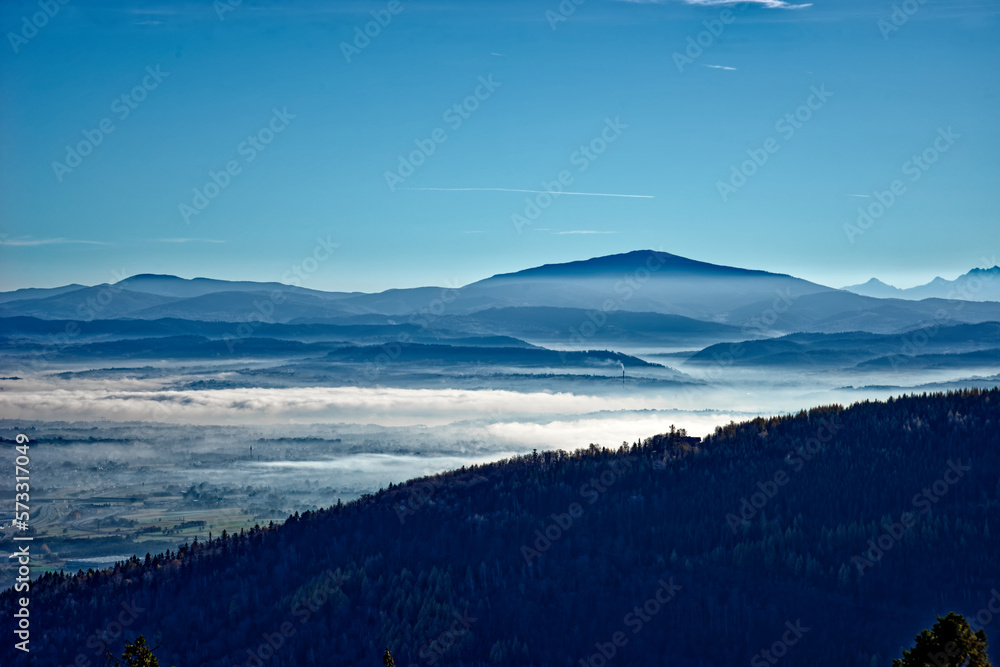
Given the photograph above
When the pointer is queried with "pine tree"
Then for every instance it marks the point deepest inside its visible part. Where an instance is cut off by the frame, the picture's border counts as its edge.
(950, 643)
(137, 654)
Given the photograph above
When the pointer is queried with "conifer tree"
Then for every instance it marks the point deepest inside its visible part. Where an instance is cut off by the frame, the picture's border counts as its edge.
(950, 643)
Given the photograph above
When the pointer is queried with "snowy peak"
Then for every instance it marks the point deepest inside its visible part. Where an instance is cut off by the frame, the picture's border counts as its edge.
(976, 285)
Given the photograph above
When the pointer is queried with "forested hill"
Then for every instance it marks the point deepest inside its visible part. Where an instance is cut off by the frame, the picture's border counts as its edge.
(867, 523)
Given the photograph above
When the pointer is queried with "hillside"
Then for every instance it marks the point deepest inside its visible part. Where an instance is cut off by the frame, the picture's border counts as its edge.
(853, 526)
(819, 350)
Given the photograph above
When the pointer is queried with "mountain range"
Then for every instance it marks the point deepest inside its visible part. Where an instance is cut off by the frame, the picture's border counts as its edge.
(962, 345)
(643, 295)
(976, 285)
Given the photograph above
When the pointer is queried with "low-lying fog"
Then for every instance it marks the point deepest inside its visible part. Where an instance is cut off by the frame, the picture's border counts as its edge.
(135, 460)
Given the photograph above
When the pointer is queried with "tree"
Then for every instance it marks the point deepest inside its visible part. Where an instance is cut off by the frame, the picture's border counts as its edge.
(137, 654)
(950, 643)
(387, 658)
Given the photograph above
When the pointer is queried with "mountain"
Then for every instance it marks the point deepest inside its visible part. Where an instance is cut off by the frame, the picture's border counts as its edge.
(579, 327)
(155, 296)
(661, 263)
(26, 330)
(979, 359)
(875, 288)
(639, 281)
(867, 350)
(97, 302)
(646, 281)
(36, 292)
(500, 352)
(837, 311)
(33, 328)
(441, 356)
(616, 297)
(976, 285)
(834, 534)
(186, 288)
(113, 302)
(246, 306)
(172, 347)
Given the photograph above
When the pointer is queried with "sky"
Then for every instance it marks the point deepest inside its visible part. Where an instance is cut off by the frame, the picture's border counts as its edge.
(835, 140)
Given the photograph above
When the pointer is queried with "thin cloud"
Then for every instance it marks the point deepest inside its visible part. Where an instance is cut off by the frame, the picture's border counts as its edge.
(501, 55)
(56, 241)
(546, 192)
(186, 240)
(731, 69)
(766, 4)
(865, 196)
(154, 11)
(584, 231)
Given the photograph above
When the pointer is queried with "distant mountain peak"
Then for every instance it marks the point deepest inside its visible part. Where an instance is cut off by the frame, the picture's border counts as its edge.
(941, 288)
(149, 276)
(874, 288)
(992, 269)
(635, 260)
(875, 282)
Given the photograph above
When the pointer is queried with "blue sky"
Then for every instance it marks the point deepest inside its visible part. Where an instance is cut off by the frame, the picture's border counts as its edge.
(606, 77)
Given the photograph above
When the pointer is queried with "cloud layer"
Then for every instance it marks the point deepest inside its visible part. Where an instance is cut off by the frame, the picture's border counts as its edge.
(511, 419)
(767, 4)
